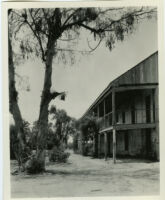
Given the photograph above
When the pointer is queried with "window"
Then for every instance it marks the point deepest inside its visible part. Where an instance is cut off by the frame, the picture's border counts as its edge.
(123, 117)
(117, 117)
(133, 111)
(101, 109)
(95, 112)
(108, 104)
(148, 109)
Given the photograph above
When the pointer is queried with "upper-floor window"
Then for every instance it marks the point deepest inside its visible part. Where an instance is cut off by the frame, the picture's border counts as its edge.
(95, 112)
(148, 108)
(117, 117)
(101, 109)
(123, 117)
(108, 104)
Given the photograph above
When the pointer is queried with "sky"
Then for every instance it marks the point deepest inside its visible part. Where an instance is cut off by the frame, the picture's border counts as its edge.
(89, 76)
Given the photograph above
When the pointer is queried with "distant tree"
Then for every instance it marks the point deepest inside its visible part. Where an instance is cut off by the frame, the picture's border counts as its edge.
(63, 127)
(89, 125)
(48, 29)
(89, 128)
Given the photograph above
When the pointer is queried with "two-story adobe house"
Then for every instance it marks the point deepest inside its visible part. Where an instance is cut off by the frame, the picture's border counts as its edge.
(128, 109)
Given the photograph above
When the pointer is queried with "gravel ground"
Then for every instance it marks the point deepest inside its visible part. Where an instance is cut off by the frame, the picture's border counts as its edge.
(84, 176)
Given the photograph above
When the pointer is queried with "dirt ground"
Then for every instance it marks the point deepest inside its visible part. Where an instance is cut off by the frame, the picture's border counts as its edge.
(84, 176)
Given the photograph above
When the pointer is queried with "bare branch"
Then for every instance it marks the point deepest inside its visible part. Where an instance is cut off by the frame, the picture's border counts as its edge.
(66, 40)
(53, 95)
(93, 49)
(37, 36)
(70, 16)
(73, 50)
(97, 31)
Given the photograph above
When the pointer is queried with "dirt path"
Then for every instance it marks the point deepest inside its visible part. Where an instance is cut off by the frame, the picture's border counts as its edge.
(84, 176)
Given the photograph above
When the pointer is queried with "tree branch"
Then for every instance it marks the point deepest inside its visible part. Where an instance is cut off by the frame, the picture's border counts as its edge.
(53, 95)
(37, 36)
(97, 31)
(70, 16)
(93, 49)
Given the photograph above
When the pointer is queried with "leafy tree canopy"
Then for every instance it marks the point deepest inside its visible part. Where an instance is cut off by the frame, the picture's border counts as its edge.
(62, 27)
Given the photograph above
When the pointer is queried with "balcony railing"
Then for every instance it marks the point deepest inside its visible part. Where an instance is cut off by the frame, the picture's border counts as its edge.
(137, 116)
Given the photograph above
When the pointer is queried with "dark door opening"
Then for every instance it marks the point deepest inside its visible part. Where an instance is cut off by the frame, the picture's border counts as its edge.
(126, 141)
(148, 109)
(108, 144)
(102, 144)
(148, 142)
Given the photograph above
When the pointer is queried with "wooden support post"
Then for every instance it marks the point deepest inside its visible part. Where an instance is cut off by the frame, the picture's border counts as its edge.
(98, 112)
(114, 146)
(105, 146)
(104, 114)
(94, 145)
(98, 145)
(156, 99)
(113, 124)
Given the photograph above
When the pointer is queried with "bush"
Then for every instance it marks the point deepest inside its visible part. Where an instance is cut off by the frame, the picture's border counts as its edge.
(34, 166)
(58, 155)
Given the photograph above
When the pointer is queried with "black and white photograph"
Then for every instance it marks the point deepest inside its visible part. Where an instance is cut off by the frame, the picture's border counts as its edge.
(83, 100)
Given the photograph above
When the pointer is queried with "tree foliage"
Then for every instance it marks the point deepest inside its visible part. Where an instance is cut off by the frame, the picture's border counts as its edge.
(89, 126)
(63, 127)
(64, 26)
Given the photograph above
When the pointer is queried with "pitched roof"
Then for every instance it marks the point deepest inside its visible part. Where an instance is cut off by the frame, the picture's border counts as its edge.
(116, 81)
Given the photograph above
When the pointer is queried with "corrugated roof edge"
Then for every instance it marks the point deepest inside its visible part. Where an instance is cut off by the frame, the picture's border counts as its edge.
(110, 84)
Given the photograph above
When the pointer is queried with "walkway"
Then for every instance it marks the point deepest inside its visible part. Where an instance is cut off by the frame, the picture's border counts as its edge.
(84, 176)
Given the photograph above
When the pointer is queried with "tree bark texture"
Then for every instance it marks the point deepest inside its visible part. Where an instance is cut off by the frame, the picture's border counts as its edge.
(14, 109)
(54, 33)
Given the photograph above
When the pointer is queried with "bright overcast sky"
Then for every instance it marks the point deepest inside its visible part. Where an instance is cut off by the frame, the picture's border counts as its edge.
(86, 79)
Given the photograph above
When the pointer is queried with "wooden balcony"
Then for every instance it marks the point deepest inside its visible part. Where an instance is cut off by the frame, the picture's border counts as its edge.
(128, 119)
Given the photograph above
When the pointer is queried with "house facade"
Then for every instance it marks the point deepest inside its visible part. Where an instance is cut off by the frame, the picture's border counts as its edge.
(128, 111)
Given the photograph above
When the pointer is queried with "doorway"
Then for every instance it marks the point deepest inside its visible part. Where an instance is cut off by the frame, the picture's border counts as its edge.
(109, 144)
(148, 142)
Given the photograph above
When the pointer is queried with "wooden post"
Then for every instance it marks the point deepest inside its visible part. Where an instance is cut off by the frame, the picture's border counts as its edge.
(98, 145)
(105, 146)
(104, 114)
(113, 124)
(98, 139)
(114, 146)
(156, 99)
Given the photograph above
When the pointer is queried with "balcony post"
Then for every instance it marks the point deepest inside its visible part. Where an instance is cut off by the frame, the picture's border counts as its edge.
(98, 112)
(98, 145)
(113, 124)
(105, 146)
(104, 114)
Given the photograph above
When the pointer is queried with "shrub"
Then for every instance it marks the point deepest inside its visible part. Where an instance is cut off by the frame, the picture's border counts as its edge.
(58, 155)
(34, 166)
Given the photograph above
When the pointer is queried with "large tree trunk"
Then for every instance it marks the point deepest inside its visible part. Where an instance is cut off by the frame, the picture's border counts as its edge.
(46, 97)
(15, 111)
